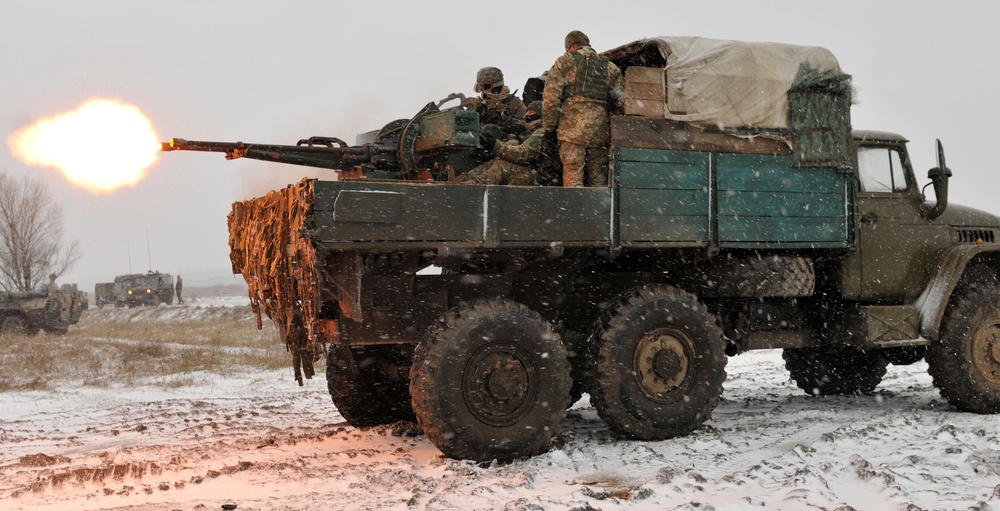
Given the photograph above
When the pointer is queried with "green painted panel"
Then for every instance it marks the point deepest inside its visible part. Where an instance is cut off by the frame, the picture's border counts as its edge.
(785, 204)
(663, 202)
(555, 214)
(663, 228)
(677, 176)
(772, 173)
(660, 156)
(378, 207)
(789, 230)
(354, 211)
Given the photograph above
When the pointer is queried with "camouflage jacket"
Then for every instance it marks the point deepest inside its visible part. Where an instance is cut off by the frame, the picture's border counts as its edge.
(524, 152)
(531, 152)
(579, 108)
(503, 109)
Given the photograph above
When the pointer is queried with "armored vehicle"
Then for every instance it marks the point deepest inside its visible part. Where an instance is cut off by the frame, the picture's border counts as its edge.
(743, 213)
(27, 313)
(136, 289)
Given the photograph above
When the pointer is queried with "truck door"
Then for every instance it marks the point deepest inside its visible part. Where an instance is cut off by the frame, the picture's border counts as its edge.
(895, 240)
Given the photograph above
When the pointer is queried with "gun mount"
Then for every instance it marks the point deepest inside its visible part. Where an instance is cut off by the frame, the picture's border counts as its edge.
(434, 144)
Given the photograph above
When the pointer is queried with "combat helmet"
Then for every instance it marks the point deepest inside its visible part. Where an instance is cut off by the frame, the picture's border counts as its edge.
(488, 78)
(576, 37)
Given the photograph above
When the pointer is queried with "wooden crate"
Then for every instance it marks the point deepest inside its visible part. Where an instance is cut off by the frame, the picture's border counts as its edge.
(645, 92)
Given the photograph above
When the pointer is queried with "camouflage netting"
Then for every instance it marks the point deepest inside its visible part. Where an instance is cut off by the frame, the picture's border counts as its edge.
(819, 112)
(281, 268)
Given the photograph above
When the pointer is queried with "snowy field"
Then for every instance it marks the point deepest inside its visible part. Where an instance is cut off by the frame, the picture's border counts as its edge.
(262, 443)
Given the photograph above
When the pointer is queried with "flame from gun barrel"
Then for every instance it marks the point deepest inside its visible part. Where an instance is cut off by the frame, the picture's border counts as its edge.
(78, 143)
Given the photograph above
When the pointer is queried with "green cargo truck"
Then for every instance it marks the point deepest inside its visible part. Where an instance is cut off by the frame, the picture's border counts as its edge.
(483, 311)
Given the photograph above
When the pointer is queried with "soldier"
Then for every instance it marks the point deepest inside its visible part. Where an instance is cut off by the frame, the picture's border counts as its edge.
(496, 105)
(582, 87)
(517, 163)
(178, 288)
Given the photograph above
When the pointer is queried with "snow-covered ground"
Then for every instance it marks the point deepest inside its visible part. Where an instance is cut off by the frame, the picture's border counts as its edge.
(261, 442)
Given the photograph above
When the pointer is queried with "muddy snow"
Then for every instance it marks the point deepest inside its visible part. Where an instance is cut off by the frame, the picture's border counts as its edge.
(260, 442)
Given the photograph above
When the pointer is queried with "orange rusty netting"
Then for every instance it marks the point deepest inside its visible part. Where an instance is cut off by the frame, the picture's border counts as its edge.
(281, 268)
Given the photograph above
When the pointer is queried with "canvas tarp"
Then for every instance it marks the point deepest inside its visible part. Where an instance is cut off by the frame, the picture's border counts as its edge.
(728, 84)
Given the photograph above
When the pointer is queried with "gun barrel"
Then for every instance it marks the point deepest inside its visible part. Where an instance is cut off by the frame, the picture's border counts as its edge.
(180, 144)
(325, 156)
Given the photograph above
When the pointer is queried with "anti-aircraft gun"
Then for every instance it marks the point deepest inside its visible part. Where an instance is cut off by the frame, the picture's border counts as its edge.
(434, 144)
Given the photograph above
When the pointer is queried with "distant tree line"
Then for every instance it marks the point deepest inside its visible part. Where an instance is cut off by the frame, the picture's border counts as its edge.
(31, 236)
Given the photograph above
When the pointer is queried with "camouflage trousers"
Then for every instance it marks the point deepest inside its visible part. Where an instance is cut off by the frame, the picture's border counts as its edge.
(580, 161)
(500, 172)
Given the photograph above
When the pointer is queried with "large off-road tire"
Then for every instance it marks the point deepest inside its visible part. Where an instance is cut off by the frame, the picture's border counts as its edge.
(835, 371)
(12, 325)
(659, 364)
(370, 384)
(490, 381)
(965, 362)
(752, 276)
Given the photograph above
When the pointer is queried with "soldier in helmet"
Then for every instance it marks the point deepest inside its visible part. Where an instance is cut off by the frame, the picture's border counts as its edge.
(495, 104)
(524, 162)
(583, 86)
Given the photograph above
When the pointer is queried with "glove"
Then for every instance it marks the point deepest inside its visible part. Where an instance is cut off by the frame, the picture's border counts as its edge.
(487, 141)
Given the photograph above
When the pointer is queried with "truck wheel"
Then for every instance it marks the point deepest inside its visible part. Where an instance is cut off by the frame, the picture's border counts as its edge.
(370, 385)
(14, 325)
(835, 371)
(659, 364)
(490, 381)
(965, 362)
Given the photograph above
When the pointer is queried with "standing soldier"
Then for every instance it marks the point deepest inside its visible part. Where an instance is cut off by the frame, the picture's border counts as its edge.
(178, 288)
(496, 105)
(581, 88)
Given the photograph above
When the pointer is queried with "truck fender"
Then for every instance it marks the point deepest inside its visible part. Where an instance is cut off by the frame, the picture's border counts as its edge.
(933, 302)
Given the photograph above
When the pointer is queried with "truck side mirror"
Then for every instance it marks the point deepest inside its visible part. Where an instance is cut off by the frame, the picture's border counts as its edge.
(939, 178)
(935, 173)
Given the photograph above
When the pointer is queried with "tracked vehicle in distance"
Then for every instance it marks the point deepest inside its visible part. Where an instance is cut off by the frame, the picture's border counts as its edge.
(482, 311)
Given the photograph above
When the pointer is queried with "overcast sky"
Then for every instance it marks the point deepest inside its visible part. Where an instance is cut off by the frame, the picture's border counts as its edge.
(281, 71)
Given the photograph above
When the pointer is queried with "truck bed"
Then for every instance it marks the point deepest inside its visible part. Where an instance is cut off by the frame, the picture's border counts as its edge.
(661, 198)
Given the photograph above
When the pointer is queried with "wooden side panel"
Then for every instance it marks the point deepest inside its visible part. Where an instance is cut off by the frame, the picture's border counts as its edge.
(649, 133)
(763, 198)
(729, 200)
(663, 195)
(349, 212)
(546, 214)
(358, 215)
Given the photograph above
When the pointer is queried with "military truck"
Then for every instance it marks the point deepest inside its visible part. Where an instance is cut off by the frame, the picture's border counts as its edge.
(135, 290)
(27, 313)
(743, 213)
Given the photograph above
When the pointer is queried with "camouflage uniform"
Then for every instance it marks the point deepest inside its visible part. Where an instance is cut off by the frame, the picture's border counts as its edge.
(581, 88)
(511, 166)
(503, 109)
(496, 104)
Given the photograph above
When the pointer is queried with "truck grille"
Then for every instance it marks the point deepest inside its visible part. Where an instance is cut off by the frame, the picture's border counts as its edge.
(976, 236)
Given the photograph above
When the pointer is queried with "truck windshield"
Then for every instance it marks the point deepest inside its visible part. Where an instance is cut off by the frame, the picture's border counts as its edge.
(880, 169)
